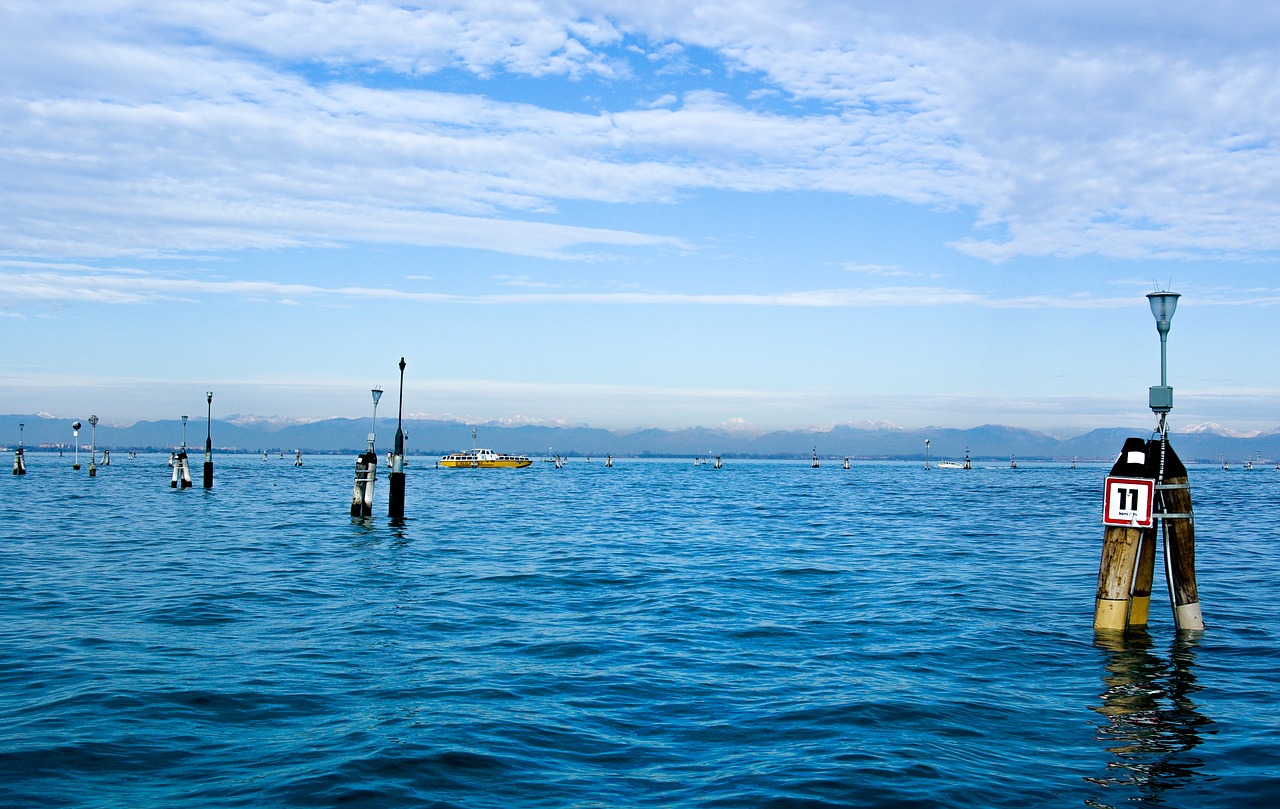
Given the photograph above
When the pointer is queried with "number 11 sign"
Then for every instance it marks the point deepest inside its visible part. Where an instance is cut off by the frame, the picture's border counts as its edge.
(1128, 502)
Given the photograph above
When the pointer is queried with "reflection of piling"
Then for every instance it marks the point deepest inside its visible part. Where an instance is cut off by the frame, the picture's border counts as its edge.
(395, 499)
(208, 442)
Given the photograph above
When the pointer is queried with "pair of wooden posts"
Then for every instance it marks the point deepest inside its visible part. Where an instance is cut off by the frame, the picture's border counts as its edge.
(367, 465)
(1146, 491)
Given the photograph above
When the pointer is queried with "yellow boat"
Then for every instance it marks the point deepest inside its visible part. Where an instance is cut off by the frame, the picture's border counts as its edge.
(484, 459)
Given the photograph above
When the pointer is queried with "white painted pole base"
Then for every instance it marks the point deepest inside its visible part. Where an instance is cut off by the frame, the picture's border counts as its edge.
(1188, 617)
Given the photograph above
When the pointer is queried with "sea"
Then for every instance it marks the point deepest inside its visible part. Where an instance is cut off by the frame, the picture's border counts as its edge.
(654, 634)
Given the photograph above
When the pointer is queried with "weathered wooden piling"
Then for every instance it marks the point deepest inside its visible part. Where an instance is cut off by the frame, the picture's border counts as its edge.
(1144, 574)
(1178, 521)
(395, 499)
(297, 458)
(1121, 541)
(208, 441)
(813, 464)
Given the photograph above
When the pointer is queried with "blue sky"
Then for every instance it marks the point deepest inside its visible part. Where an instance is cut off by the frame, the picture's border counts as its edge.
(756, 214)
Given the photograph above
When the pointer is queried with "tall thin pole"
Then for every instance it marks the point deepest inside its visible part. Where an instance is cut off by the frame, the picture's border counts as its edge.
(395, 503)
(208, 442)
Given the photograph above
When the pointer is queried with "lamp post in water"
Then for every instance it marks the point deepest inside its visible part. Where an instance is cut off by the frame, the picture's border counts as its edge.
(395, 502)
(75, 439)
(377, 394)
(366, 469)
(208, 442)
(1163, 305)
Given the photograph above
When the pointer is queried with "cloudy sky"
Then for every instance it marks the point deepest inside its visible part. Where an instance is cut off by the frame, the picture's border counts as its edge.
(765, 213)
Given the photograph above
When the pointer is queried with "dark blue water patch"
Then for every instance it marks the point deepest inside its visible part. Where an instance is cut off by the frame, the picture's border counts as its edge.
(651, 635)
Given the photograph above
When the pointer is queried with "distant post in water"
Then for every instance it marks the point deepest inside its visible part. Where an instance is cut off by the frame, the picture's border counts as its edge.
(20, 462)
(395, 502)
(1148, 484)
(181, 465)
(926, 455)
(366, 469)
(208, 442)
(75, 437)
(93, 447)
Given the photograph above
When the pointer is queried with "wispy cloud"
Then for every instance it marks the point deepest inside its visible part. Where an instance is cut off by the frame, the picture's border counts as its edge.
(1062, 141)
(70, 283)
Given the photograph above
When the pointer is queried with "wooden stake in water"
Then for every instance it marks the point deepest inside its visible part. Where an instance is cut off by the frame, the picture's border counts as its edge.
(1179, 526)
(1120, 547)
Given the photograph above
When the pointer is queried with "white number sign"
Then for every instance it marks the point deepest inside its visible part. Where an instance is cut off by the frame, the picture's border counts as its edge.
(1129, 502)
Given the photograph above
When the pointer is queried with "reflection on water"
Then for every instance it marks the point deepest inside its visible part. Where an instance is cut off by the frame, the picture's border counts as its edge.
(1152, 726)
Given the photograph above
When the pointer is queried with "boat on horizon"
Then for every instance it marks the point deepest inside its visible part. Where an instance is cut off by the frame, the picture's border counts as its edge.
(484, 459)
(476, 458)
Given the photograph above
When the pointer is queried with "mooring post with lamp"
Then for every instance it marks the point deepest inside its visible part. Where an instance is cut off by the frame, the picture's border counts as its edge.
(208, 441)
(1148, 485)
(366, 469)
(181, 464)
(395, 500)
(75, 439)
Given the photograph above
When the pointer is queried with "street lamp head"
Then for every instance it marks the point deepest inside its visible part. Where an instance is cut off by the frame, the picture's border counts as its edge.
(93, 421)
(184, 421)
(1163, 305)
(377, 394)
(75, 427)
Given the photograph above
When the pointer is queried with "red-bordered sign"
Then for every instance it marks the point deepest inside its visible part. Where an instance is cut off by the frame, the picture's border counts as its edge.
(1129, 502)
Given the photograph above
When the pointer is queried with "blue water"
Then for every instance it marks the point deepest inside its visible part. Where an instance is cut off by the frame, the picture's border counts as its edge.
(652, 635)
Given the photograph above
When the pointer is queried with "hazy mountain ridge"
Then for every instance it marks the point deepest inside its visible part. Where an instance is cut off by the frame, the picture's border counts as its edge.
(438, 437)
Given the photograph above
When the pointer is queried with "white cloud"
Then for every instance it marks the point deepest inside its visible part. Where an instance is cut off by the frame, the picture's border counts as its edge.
(155, 128)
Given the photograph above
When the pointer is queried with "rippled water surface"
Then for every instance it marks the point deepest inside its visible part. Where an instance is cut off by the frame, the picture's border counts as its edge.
(655, 634)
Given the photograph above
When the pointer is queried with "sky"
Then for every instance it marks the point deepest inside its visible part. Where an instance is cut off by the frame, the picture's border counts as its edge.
(759, 215)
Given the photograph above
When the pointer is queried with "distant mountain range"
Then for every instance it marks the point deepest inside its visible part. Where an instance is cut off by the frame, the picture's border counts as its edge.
(1207, 443)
